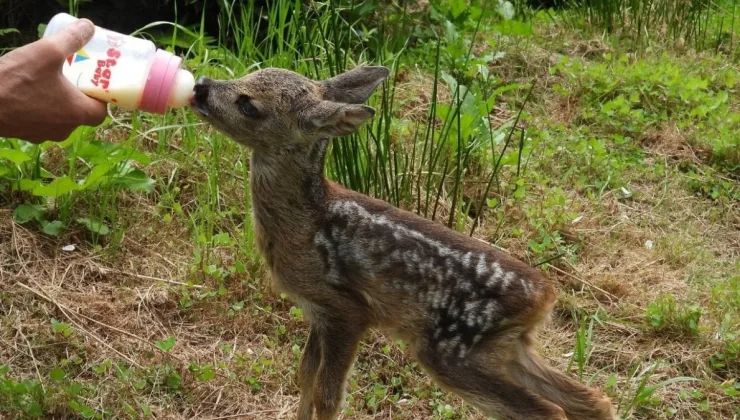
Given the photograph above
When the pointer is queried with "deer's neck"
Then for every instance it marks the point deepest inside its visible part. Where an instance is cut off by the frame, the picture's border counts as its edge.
(288, 188)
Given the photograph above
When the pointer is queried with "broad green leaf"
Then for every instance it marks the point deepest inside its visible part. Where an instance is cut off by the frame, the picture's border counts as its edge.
(15, 156)
(56, 188)
(206, 374)
(457, 7)
(167, 344)
(135, 180)
(27, 212)
(53, 228)
(97, 175)
(94, 225)
(28, 184)
(4, 170)
(111, 153)
(57, 374)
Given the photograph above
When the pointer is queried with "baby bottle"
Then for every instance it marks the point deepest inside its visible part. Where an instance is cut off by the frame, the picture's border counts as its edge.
(127, 71)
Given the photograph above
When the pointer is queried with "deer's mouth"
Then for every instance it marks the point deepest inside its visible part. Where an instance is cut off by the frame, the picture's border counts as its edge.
(200, 108)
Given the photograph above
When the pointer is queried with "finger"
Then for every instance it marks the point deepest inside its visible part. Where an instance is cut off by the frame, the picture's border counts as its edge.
(56, 135)
(73, 37)
(93, 111)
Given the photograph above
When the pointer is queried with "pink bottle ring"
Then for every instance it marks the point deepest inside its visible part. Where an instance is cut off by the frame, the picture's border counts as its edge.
(159, 82)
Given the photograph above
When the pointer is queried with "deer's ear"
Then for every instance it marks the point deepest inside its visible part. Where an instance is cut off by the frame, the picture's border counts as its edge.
(354, 86)
(333, 119)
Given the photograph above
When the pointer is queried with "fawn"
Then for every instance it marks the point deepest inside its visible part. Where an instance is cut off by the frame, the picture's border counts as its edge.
(467, 310)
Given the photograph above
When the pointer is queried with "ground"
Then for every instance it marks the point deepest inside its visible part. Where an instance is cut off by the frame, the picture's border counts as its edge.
(628, 199)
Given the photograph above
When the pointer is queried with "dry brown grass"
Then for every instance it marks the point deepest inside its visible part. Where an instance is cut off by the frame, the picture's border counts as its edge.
(118, 307)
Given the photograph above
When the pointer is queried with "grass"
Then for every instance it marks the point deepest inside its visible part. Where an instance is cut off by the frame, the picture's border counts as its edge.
(701, 24)
(131, 289)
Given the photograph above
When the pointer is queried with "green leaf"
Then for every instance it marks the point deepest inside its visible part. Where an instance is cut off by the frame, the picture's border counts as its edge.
(15, 156)
(457, 7)
(97, 175)
(206, 374)
(5, 31)
(53, 228)
(41, 29)
(146, 410)
(56, 188)
(61, 328)
(135, 180)
(57, 374)
(34, 410)
(94, 225)
(28, 184)
(98, 152)
(167, 344)
(27, 212)
(174, 380)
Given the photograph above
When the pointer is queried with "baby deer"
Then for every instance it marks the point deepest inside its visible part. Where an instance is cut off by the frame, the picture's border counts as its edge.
(467, 311)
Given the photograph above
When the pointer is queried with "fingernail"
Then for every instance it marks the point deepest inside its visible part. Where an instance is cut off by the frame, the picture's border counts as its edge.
(84, 26)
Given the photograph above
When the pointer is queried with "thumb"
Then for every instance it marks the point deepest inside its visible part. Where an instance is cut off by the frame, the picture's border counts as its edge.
(73, 37)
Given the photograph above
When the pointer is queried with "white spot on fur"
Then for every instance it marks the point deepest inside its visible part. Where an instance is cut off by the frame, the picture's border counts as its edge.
(463, 351)
(480, 268)
(466, 259)
(527, 286)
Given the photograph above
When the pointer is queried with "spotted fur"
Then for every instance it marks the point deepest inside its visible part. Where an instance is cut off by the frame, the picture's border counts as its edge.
(467, 310)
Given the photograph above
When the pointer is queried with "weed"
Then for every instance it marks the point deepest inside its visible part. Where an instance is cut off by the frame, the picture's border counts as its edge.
(666, 316)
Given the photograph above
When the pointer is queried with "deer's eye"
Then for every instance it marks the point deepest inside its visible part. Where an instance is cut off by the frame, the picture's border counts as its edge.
(247, 107)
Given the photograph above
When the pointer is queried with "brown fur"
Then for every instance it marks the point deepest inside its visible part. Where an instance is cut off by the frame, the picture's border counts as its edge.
(467, 310)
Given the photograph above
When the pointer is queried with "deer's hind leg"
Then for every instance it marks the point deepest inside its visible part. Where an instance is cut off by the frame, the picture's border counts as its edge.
(579, 401)
(486, 383)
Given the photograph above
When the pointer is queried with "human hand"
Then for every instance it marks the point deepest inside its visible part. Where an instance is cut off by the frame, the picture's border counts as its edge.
(37, 103)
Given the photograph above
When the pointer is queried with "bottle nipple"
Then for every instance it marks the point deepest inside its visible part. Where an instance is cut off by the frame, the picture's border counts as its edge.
(182, 89)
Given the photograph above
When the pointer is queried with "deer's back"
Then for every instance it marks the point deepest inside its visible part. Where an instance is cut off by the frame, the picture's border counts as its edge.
(412, 272)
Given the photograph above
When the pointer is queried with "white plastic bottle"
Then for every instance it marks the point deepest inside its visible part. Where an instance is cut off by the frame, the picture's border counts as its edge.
(127, 71)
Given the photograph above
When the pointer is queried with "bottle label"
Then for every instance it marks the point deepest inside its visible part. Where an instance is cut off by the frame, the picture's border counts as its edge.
(102, 70)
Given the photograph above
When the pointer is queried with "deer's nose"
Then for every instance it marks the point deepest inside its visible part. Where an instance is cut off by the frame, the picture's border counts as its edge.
(200, 91)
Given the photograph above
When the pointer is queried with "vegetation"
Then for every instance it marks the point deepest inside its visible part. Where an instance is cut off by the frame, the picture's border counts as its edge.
(600, 143)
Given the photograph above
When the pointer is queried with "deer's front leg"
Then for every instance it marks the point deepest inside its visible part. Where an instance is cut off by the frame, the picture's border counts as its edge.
(309, 366)
(339, 343)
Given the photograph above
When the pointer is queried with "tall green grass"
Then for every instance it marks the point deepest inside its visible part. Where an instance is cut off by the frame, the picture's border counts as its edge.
(422, 164)
(701, 24)
(444, 164)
